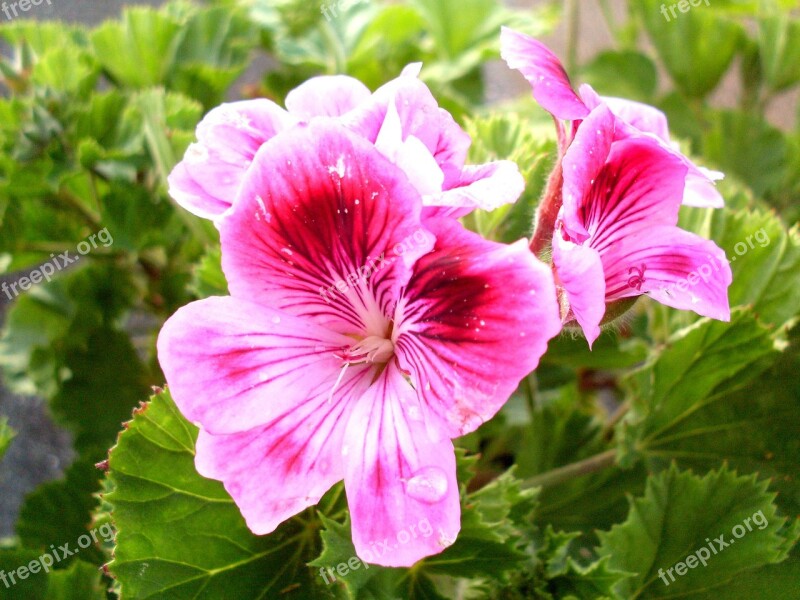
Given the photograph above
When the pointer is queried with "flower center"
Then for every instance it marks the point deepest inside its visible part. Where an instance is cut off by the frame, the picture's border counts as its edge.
(372, 349)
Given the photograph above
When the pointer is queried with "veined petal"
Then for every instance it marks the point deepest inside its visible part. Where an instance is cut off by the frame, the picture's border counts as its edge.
(325, 227)
(401, 485)
(232, 365)
(582, 164)
(475, 319)
(276, 470)
(675, 267)
(580, 272)
(551, 85)
(637, 119)
(420, 116)
(326, 95)
(488, 186)
(206, 181)
(640, 186)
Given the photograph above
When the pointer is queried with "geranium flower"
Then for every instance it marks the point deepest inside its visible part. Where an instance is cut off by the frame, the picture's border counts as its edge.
(553, 91)
(616, 234)
(401, 118)
(359, 339)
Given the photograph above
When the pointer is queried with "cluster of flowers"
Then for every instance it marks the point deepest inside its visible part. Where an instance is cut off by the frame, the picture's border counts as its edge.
(294, 392)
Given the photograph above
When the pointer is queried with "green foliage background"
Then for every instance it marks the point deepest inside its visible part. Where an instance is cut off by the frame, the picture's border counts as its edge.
(603, 468)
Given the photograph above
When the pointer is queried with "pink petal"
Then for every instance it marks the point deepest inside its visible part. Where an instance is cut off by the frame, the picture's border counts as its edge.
(206, 181)
(328, 95)
(580, 272)
(410, 154)
(700, 188)
(232, 365)
(675, 267)
(420, 116)
(638, 118)
(401, 485)
(582, 163)
(475, 319)
(640, 187)
(324, 227)
(275, 471)
(488, 186)
(551, 85)
(643, 117)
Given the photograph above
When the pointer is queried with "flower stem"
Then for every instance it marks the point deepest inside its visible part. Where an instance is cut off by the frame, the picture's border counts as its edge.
(548, 210)
(598, 462)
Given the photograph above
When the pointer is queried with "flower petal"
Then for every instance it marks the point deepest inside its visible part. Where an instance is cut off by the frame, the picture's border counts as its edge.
(580, 271)
(401, 486)
(582, 163)
(326, 95)
(232, 365)
(410, 154)
(643, 117)
(420, 116)
(638, 118)
(206, 181)
(488, 186)
(276, 470)
(675, 267)
(324, 227)
(640, 186)
(551, 86)
(475, 319)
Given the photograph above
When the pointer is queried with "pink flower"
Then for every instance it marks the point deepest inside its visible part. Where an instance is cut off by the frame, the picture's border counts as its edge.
(616, 234)
(401, 118)
(358, 340)
(553, 90)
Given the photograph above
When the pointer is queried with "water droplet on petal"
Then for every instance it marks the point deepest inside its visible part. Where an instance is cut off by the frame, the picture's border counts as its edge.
(276, 319)
(428, 484)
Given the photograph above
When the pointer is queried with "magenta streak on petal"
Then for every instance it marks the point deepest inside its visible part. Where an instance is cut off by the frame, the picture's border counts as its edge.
(316, 229)
(385, 451)
(470, 307)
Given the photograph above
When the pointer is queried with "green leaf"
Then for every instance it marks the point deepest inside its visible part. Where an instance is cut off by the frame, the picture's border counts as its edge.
(754, 429)
(698, 366)
(525, 141)
(748, 147)
(139, 50)
(764, 257)
(626, 74)
(97, 395)
(78, 581)
(681, 515)
(159, 498)
(208, 278)
(696, 47)
(6, 436)
(213, 52)
(59, 512)
(779, 45)
(81, 581)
